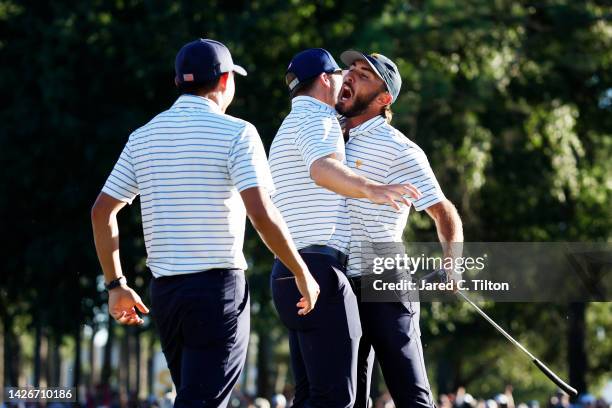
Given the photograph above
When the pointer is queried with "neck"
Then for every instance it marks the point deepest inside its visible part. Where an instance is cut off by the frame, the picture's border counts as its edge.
(355, 121)
(322, 96)
(217, 98)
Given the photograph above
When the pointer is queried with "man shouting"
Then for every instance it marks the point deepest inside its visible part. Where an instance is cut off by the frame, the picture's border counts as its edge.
(378, 151)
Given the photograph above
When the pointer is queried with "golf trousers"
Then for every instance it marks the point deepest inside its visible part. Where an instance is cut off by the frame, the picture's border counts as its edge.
(391, 332)
(203, 322)
(324, 343)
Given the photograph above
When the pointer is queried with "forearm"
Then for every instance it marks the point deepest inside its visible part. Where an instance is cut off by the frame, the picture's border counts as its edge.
(449, 228)
(331, 174)
(106, 238)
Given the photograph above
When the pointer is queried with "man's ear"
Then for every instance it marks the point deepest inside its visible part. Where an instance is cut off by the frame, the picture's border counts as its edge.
(223, 81)
(324, 78)
(385, 98)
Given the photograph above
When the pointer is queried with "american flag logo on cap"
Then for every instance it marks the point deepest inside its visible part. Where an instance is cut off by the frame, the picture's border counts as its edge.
(188, 77)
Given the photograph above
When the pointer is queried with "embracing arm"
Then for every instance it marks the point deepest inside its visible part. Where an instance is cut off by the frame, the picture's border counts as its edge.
(328, 172)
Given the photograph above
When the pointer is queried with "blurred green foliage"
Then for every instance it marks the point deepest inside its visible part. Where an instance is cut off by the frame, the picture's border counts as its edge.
(511, 100)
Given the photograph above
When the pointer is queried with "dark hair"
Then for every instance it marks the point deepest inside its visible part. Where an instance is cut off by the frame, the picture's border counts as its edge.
(199, 88)
(303, 87)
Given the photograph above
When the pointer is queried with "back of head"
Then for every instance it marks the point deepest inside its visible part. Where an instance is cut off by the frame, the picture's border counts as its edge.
(305, 68)
(199, 65)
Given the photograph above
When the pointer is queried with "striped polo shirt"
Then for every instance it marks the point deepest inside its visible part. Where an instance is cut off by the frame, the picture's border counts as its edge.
(189, 164)
(314, 215)
(380, 152)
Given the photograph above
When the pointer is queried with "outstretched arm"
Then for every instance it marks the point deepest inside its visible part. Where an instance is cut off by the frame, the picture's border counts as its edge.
(448, 222)
(450, 230)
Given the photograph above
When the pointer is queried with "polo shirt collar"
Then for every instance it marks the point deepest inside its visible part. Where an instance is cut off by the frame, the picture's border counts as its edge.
(311, 104)
(367, 126)
(197, 102)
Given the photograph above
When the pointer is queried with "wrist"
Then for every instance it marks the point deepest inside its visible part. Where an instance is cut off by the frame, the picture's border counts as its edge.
(116, 283)
(301, 271)
(367, 188)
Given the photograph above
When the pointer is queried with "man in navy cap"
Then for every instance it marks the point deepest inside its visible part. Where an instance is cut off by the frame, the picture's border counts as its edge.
(308, 166)
(198, 172)
(377, 150)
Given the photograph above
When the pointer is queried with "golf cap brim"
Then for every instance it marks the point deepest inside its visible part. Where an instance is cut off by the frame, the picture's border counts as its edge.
(239, 70)
(350, 56)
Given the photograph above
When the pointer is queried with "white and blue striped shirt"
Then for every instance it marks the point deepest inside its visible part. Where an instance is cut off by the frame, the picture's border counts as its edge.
(314, 215)
(381, 153)
(189, 164)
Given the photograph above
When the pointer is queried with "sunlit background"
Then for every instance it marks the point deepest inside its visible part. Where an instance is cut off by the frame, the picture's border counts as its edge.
(511, 101)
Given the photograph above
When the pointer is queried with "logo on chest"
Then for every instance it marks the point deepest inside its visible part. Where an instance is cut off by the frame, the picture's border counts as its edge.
(358, 163)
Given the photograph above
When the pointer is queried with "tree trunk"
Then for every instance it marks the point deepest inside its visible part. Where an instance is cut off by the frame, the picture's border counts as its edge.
(143, 360)
(54, 362)
(124, 366)
(37, 347)
(44, 359)
(77, 360)
(444, 374)
(2, 385)
(151, 346)
(12, 353)
(133, 358)
(576, 352)
(108, 353)
(263, 371)
(281, 378)
(92, 380)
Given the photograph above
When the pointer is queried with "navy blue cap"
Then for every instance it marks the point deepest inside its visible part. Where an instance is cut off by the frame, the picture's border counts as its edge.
(309, 64)
(382, 66)
(204, 60)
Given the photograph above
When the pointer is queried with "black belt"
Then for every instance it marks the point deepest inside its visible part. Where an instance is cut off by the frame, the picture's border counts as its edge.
(339, 256)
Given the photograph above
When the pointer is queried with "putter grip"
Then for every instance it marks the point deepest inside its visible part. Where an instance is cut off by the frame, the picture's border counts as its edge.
(553, 377)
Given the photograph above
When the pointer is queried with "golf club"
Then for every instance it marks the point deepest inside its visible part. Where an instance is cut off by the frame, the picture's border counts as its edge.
(440, 274)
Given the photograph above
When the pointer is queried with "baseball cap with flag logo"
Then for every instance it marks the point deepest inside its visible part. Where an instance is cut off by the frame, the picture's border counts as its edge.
(382, 66)
(204, 60)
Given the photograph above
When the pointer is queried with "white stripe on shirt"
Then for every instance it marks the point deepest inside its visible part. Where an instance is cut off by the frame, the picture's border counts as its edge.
(314, 215)
(380, 152)
(189, 165)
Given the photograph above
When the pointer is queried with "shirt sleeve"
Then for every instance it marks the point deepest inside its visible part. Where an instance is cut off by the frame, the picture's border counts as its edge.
(318, 137)
(247, 164)
(121, 183)
(411, 166)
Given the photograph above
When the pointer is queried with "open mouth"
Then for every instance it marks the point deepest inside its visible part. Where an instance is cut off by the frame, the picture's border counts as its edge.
(346, 93)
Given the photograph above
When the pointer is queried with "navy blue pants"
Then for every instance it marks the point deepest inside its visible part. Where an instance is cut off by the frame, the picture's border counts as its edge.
(324, 343)
(391, 330)
(203, 321)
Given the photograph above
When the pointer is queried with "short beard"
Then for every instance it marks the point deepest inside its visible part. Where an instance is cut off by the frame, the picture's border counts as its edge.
(359, 106)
